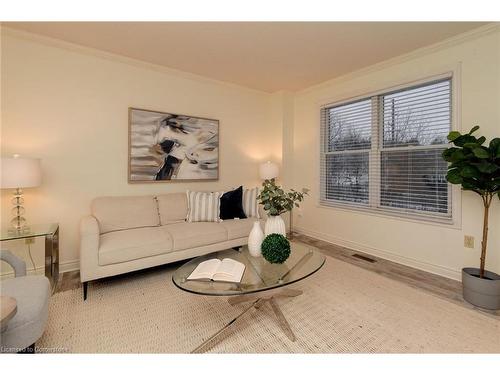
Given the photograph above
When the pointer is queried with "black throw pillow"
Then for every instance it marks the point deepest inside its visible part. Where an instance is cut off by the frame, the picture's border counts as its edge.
(231, 205)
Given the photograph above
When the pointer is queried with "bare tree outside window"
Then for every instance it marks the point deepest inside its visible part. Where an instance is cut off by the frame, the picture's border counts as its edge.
(349, 142)
(408, 172)
(414, 178)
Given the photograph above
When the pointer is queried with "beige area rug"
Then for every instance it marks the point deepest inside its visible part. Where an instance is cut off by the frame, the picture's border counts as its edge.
(344, 309)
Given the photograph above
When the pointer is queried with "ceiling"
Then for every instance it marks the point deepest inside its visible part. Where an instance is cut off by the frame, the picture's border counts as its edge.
(267, 56)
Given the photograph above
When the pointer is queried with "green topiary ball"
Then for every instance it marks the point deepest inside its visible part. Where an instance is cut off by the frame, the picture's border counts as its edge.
(275, 248)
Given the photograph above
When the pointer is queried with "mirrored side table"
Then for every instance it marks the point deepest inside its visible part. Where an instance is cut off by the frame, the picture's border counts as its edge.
(51, 234)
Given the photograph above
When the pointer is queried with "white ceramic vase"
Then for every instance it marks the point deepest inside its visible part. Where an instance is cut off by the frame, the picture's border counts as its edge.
(275, 224)
(255, 240)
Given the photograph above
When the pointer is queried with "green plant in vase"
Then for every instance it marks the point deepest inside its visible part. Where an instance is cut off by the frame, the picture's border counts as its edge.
(476, 167)
(277, 201)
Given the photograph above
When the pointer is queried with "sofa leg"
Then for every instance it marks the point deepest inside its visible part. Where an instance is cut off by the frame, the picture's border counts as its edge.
(85, 285)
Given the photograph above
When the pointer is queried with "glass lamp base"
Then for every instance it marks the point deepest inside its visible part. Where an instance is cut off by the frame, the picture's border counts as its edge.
(18, 223)
(23, 230)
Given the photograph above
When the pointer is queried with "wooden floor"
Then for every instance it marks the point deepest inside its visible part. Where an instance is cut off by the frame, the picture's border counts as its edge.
(437, 285)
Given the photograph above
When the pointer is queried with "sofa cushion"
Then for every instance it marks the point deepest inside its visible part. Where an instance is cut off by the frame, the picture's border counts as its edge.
(231, 205)
(250, 203)
(118, 213)
(190, 235)
(203, 206)
(238, 228)
(125, 245)
(172, 208)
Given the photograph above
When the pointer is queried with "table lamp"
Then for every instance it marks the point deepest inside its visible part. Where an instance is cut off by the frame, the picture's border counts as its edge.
(268, 170)
(18, 173)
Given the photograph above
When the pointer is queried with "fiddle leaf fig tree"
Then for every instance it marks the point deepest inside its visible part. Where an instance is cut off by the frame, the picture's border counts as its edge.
(475, 166)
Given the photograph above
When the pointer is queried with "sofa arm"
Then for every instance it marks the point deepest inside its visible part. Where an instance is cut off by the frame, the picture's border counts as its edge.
(89, 226)
(89, 247)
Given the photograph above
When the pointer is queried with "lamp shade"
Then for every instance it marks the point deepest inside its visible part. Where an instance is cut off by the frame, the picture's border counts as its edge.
(268, 170)
(20, 172)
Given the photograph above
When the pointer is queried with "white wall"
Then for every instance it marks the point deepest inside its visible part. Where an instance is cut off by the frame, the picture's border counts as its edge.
(68, 106)
(427, 246)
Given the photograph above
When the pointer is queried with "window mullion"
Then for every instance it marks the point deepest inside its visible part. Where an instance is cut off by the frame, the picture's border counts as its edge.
(374, 160)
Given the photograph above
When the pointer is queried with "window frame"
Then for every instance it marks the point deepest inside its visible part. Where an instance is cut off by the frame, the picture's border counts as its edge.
(359, 151)
(375, 153)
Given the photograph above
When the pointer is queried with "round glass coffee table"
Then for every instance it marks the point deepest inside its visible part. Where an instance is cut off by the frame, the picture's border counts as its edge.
(262, 282)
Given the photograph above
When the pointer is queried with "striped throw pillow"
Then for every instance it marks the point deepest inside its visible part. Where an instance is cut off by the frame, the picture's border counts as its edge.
(203, 206)
(250, 204)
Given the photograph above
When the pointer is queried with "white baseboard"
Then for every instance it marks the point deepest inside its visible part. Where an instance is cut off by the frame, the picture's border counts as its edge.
(68, 266)
(31, 271)
(384, 254)
(73, 265)
(450, 273)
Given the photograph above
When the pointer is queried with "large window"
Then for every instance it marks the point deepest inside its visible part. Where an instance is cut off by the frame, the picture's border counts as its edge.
(383, 152)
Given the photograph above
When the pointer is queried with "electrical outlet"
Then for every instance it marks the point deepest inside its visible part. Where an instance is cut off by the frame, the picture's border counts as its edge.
(469, 241)
(29, 241)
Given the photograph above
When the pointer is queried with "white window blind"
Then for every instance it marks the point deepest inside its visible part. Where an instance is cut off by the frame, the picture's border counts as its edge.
(383, 152)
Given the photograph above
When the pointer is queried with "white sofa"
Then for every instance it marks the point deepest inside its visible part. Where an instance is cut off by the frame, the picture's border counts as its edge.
(125, 234)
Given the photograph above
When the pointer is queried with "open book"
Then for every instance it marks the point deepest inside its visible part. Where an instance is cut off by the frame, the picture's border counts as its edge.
(218, 270)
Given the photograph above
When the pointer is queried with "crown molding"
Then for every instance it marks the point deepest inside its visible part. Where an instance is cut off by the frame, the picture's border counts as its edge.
(420, 52)
(113, 57)
(423, 51)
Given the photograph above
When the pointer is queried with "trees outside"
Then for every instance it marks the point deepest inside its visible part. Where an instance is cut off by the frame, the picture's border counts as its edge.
(412, 178)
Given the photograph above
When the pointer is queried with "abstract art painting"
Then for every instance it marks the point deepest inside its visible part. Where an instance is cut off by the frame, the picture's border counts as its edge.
(169, 147)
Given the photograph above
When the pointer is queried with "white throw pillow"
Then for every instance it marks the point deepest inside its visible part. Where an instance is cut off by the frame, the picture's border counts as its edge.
(250, 204)
(203, 206)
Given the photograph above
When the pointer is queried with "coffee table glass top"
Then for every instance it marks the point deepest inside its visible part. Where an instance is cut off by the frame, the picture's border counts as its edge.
(260, 275)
